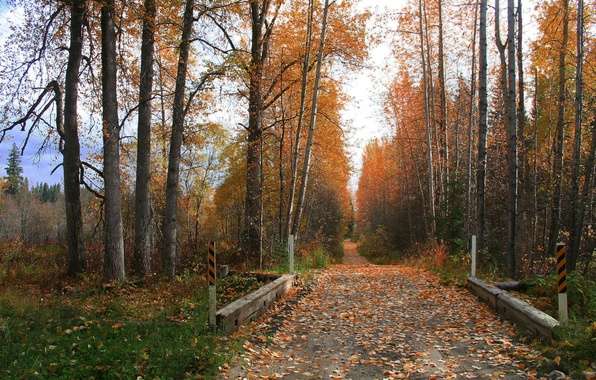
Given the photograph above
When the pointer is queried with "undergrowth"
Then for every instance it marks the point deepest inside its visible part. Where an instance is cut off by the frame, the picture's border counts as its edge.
(60, 328)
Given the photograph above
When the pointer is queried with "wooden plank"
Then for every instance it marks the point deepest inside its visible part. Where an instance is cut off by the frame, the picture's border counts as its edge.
(525, 314)
(232, 316)
(514, 309)
(484, 291)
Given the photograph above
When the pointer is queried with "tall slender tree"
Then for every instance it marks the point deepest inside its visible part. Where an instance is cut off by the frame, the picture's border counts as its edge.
(577, 202)
(14, 171)
(427, 122)
(143, 169)
(312, 123)
(170, 221)
(444, 141)
(512, 126)
(469, 210)
(482, 126)
(261, 29)
(557, 170)
(521, 100)
(296, 144)
(113, 235)
(72, 151)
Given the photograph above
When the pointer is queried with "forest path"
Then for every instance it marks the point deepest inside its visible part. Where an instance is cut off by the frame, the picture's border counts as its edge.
(362, 321)
(351, 255)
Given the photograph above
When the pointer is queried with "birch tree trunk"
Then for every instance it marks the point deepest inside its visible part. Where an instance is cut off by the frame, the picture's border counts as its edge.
(72, 150)
(587, 190)
(469, 211)
(482, 127)
(431, 179)
(143, 170)
(521, 108)
(432, 106)
(443, 138)
(170, 222)
(113, 263)
(535, 165)
(555, 221)
(296, 147)
(312, 124)
(577, 202)
(512, 126)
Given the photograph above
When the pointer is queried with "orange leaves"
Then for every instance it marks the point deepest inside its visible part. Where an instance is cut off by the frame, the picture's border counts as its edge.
(365, 321)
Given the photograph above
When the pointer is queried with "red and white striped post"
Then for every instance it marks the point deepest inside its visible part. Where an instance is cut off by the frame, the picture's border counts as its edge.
(211, 279)
(562, 285)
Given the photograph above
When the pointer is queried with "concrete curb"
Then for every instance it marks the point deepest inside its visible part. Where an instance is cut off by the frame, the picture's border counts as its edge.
(514, 309)
(232, 316)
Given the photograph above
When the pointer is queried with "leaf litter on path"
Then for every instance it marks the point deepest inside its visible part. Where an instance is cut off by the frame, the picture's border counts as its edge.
(382, 322)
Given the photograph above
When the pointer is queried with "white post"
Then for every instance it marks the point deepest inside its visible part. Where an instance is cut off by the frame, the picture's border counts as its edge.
(291, 254)
(473, 270)
(563, 316)
(211, 279)
(212, 306)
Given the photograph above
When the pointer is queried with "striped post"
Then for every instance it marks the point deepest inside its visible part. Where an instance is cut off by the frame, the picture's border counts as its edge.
(291, 254)
(562, 288)
(211, 278)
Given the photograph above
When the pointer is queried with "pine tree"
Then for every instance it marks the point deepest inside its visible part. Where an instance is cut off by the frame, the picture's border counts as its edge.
(14, 171)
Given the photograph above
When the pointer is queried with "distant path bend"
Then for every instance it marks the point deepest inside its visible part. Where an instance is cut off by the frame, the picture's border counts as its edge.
(351, 255)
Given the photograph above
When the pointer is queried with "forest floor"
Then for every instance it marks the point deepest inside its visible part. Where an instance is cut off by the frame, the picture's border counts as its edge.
(363, 321)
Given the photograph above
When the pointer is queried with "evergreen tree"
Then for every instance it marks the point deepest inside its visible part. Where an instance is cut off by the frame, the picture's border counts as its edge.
(14, 171)
(46, 192)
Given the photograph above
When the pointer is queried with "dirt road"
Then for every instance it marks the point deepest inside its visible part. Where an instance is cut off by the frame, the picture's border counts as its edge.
(363, 321)
(351, 255)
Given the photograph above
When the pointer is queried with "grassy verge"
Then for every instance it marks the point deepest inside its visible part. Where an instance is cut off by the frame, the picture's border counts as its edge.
(60, 328)
(574, 350)
(306, 261)
(60, 340)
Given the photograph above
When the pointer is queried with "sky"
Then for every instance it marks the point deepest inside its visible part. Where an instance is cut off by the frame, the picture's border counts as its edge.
(365, 88)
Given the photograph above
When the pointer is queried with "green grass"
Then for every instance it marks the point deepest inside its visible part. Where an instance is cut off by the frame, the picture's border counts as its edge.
(64, 342)
(319, 258)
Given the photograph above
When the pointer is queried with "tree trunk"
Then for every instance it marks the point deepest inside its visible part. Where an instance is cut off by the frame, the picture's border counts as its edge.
(469, 212)
(431, 179)
(113, 263)
(512, 126)
(443, 138)
(535, 166)
(577, 205)
(143, 174)
(553, 233)
(432, 108)
(282, 180)
(170, 222)
(296, 147)
(312, 124)
(252, 224)
(71, 154)
(521, 108)
(482, 127)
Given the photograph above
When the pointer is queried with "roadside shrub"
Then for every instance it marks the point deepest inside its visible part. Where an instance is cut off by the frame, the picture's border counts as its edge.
(377, 247)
